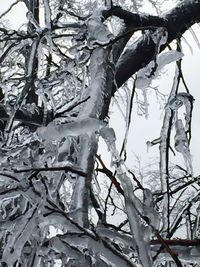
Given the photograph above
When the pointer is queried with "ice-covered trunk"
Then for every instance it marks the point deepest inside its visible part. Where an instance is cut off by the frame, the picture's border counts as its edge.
(81, 192)
(96, 107)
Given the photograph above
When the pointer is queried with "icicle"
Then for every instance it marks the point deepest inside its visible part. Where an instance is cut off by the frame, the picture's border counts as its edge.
(128, 112)
(185, 99)
(152, 70)
(195, 37)
(146, 104)
(118, 105)
(164, 135)
(187, 43)
(40, 92)
(52, 100)
(41, 60)
(181, 144)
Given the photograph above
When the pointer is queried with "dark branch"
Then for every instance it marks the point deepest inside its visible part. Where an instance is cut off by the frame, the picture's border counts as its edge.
(73, 169)
(177, 21)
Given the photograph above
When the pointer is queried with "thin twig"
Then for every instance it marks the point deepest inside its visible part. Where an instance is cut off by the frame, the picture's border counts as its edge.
(73, 169)
(72, 107)
(172, 253)
(110, 175)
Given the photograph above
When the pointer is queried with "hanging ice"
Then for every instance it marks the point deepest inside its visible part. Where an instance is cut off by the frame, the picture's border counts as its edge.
(134, 207)
(181, 144)
(185, 99)
(195, 37)
(108, 134)
(109, 137)
(148, 209)
(151, 71)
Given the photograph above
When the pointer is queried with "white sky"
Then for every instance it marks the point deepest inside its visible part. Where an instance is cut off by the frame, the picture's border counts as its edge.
(17, 15)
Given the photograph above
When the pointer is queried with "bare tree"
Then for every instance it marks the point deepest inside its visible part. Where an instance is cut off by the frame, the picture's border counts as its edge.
(59, 73)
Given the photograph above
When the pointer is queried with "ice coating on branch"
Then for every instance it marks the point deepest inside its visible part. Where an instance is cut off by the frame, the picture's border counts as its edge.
(32, 20)
(152, 143)
(54, 132)
(134, 206)
(97, 32)
(181, 144)
(101, 74)
(108, 134)
(20, 234)
(152, 70)
(148, 209)
(31, 58)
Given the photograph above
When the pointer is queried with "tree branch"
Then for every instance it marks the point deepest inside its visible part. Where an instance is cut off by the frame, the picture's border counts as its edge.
(177, 21)
(73, 169)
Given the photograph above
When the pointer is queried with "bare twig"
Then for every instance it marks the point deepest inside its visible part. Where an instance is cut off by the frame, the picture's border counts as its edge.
(110, 175)
(73, 169)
